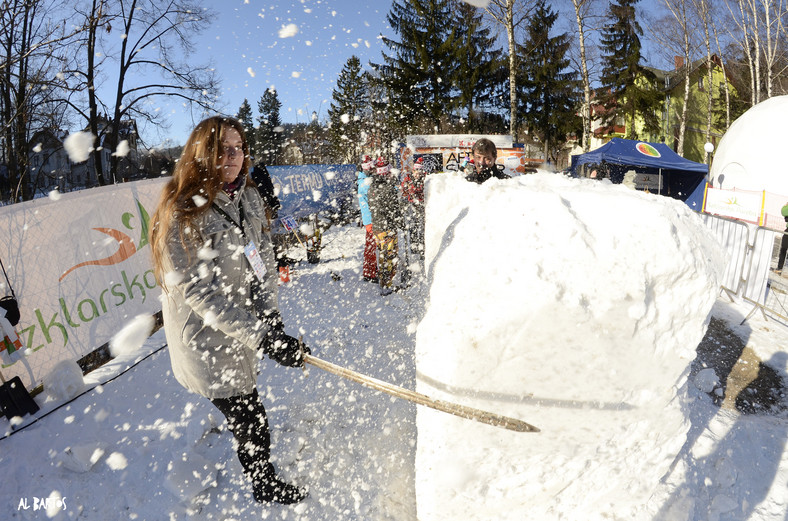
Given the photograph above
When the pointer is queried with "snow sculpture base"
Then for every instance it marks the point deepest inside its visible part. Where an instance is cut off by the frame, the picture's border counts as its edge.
(575, 305)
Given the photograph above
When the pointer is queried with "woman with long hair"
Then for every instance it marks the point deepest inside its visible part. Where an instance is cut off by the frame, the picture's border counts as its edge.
(213, 257)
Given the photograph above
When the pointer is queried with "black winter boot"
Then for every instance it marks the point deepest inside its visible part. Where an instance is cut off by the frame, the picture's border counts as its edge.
(271, 488)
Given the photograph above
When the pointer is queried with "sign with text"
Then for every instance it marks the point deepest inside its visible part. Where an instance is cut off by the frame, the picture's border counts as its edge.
(80, 266)
(456, 140)
(289, 223)
(745, 206)
(308, 189)
(513, 160)
(650, 182)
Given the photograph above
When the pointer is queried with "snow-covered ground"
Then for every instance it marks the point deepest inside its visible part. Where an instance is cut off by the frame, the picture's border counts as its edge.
(138, 446)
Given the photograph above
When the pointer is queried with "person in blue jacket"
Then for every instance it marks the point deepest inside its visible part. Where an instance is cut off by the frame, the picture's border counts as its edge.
(370, 267)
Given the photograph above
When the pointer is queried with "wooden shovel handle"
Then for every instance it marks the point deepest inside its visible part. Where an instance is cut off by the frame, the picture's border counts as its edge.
(462, 411)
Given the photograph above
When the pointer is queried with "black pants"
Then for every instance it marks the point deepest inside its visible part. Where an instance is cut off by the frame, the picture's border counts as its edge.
(783, 250)
(248, 422)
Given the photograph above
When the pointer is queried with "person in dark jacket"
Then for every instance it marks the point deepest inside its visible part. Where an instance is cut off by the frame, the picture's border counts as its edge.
(484, 166)
(384, 205)
(261, 177)
(783, 242)
(412, 187)
(220, 307)
(265, 185)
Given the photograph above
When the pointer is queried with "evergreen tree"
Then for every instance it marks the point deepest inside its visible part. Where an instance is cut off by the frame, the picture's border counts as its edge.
(270, 137)
(548, 92)
(420, 72)
(479, 71)
(347, 111)
(246, 118)
(628, 88)
(381, 123)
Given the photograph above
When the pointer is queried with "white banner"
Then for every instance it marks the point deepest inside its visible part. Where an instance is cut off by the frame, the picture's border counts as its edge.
(79, 264)
(456, 140)
(746, 206)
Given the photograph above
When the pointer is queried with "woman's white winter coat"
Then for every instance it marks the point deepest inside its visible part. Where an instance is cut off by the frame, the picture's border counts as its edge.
(210, 310)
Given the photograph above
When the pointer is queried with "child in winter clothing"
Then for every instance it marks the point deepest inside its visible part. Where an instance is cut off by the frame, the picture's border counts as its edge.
(413, 191)
(370, 267)
(384, 205)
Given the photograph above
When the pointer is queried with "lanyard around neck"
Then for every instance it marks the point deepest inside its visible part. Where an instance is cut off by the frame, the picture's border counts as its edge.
(230, 219)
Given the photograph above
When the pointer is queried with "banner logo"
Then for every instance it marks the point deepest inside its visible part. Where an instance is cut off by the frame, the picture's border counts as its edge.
(647, 150)
(126, 246)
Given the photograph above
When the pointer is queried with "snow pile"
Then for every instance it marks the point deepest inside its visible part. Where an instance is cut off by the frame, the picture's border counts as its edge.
(132, 336)
(81, 458)
(189, 474)
(64, 381)
(116, 451)
(576, 306)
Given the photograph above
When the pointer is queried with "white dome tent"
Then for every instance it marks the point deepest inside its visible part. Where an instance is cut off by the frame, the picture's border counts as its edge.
(750, 154)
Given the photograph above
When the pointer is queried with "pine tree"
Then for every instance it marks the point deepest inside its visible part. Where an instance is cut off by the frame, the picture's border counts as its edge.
(247, 120)
(629, 90)
(347, 111)
(382, 123)
(548, 91)
(479, 71)
(420, 72)
(270, 137)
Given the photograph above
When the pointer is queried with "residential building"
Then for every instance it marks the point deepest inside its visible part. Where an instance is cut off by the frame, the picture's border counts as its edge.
(51, 168)
(671, 83)
(697, 105)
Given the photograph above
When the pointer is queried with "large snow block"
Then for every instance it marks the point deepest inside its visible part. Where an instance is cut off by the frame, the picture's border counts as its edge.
(575, 305)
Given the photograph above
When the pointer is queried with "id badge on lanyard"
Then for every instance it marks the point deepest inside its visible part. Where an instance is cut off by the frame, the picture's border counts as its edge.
(253, 256)
(250, 250)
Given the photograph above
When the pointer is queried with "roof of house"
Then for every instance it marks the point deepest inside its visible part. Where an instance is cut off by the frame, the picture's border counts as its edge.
(670, 79)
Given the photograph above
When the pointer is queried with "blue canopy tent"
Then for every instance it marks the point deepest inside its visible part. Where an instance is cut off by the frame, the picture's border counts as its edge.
(678, 177)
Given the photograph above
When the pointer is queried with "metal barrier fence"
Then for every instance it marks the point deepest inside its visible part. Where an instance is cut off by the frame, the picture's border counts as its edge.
(747, 276)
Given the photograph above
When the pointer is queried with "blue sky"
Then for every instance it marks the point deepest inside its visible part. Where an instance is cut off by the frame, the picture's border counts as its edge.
(299, 47)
